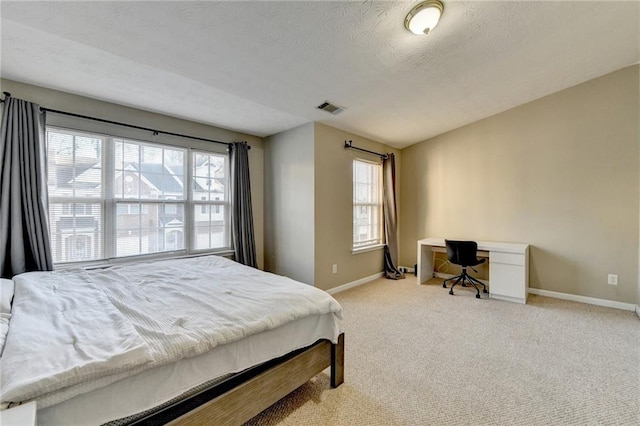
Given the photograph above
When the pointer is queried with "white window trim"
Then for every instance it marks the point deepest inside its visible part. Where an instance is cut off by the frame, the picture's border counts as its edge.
(380, 242)
(366, 249)
(198, 203)
(109, 202)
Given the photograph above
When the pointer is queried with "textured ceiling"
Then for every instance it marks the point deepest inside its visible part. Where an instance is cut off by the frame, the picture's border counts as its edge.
(262, 67)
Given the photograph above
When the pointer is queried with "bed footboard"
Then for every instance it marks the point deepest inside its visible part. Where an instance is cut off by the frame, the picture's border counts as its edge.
(244, 396)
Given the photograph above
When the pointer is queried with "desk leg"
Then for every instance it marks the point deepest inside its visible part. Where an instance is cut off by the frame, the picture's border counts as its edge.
(425, 263)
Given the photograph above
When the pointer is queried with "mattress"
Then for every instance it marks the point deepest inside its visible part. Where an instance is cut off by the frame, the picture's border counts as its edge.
(152, 388)
(124, 339)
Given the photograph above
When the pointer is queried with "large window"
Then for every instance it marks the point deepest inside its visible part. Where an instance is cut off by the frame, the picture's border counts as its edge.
(114, 197)
(367, 204)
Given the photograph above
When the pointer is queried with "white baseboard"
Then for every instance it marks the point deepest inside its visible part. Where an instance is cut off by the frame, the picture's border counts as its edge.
(407, 269)
(539, 292)
(355, 283)
(585, 299)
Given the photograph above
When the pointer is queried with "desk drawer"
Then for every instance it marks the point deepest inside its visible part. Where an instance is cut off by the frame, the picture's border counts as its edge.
(507, 258)
(508, 282)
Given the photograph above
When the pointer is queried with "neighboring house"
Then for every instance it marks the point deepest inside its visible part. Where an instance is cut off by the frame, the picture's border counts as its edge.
(76, 227)
(144, 225)
(150, 208)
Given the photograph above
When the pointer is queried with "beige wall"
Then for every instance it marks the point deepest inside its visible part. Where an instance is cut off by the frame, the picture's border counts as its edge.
(560, 173)
(309, 206)
(289, 203)
(86, 106)
(334, 208)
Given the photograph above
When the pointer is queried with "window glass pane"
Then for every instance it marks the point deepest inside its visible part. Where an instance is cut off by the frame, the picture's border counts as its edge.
(87, 174)
(209, 187)
(149, 228)
(74, 181)
(174, 169)
(148, 172)
(211, 227)
(367, 204)
(130, 153)
(210, 176)
(366, 228)
(76, 231)
(74, 165)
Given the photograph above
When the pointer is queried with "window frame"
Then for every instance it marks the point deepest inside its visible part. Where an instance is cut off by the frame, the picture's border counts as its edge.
(109, 202)
(72, 201)
(211, 203)
(375, 243)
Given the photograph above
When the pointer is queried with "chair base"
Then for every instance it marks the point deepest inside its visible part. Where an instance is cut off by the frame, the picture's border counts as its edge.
(466, 280)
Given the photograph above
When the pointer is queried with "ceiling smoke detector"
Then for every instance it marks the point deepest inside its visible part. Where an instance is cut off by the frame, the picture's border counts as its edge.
(331, 108)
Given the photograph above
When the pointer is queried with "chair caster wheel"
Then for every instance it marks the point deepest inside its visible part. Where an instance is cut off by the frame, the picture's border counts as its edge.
(444, 285)
(485, 291)
(451, 292)
(477, 296)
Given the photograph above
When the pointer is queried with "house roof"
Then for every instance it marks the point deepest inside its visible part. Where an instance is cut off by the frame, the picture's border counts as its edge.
(179, 170)
(160, 176)
(169, 179)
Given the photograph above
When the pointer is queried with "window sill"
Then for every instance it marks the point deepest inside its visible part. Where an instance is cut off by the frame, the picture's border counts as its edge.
(367, 249)
(105, 263)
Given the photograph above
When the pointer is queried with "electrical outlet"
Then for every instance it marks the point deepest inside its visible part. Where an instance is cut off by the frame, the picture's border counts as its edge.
(612, 279)
(334, 268)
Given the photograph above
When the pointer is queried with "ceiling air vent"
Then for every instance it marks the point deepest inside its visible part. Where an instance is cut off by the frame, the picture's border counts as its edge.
(331, 108)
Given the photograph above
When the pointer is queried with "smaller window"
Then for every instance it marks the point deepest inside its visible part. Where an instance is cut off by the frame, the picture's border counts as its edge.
(367, 204)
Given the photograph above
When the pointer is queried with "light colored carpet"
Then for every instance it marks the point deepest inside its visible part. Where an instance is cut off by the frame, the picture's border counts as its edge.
(414, 355)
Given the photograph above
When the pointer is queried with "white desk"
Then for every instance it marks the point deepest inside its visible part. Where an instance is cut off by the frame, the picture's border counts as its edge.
(508, 267)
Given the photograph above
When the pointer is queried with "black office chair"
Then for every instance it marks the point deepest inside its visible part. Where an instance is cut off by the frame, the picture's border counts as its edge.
(464, 253)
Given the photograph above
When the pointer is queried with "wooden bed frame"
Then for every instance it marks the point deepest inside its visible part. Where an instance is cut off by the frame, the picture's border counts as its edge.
(245, 395)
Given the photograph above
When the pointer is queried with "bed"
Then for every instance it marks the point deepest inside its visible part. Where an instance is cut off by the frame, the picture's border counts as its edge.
(186, 341)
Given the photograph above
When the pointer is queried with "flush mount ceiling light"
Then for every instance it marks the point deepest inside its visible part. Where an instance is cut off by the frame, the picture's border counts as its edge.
(424, 17)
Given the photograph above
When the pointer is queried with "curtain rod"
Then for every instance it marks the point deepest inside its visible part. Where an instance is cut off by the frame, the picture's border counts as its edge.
(349, 145)
(154, 131)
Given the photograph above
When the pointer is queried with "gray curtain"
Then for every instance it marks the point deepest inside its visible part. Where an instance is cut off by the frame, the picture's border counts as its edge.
(244, 242)
(390, 218)
(24, 223)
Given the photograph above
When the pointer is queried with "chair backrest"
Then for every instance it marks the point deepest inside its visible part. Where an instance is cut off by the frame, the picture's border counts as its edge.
(463, 253)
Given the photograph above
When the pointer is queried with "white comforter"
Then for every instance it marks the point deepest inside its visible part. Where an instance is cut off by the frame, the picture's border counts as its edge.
(69, 327)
